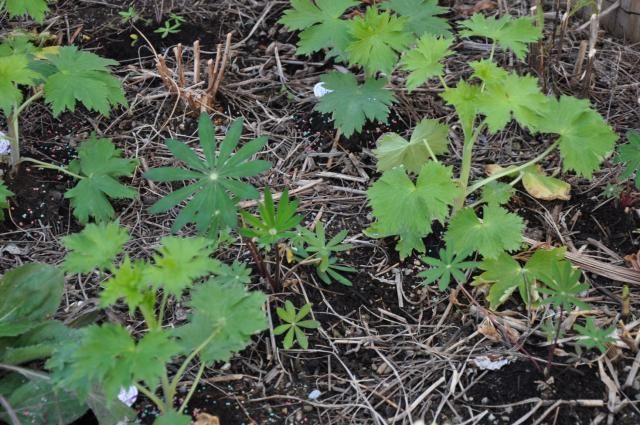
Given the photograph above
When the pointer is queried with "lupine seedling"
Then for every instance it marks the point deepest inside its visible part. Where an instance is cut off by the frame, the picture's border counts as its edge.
(214, 182)
(313, 248)
(173, 25)
(294, 325)
(270, 227)
(443, 269)
(594, 336)
(130, 15)
(223, 317)
(63, 76)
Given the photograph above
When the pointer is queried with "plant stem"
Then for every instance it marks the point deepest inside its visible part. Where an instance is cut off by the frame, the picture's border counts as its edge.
(553, 346)
(176, 379)
(433, 156)
(260, 264)
(192, 390)
(48, 166)
(276, 273)
(163, 305)
(154, 398)
(14, 128)
(508, 171)
(465, 171)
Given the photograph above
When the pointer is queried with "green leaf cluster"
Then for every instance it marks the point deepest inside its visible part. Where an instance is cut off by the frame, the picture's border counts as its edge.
(5, 194)
(629, 156)
(313, 247)
(34, 8)
(294, 325)
(273, 224)
(214, 182)
(509, 33)
(448, 265)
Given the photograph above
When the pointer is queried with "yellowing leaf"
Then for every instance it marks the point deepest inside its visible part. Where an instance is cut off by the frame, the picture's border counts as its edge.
(543, 187)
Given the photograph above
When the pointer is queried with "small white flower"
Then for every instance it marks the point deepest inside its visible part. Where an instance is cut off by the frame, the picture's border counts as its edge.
(128, 395)
(5, 144)
(319, 90)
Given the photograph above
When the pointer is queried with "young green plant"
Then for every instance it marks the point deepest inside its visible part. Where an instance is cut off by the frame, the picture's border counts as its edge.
(223, 317)
(294, 325)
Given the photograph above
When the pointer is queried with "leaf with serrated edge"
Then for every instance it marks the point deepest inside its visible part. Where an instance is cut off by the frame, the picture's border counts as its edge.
(377, 39)
(629, 155)
(498, 230)
(395, 196)
(585, 138)
(422, 16)
(352, 104)
(94, 248)
(394, 150)
(507, 32)
(423, 62)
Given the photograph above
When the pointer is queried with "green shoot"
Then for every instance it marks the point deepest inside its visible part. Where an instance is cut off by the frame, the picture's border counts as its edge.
(442, 269)
(595, 337)
(173, 25)
(273, 224)
(313, 247)
(562, 285)
(5, 194)
(130, 15)
(294, 325)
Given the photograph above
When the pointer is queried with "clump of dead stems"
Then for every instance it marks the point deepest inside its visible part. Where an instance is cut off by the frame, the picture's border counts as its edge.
(198, 94)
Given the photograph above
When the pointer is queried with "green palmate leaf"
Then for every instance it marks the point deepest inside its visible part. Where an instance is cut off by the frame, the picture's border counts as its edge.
(505, 275)
(463, 98)
(109, 356)
(562, 286)
(442, 269)
(293, 325)
(5, 194)
(405, 209)
(100, 164)
(585, 137)
(172, 418)
(34, 8)
(628, 154)
(273, 224)
(96, 247)
(507, 32)
(84, 77)
(508, 95)
(224, 317)
(377, 39)
(422, 16)
(498, 230)
(429, 137)
(218, 186)
(544, 187)
(594, 336)
(352, 104)
(128, 282)
(321, 25)
(423, 62)
(497, 193)
(29, 294)
(179, 261)
(14, 71)
(314, 245)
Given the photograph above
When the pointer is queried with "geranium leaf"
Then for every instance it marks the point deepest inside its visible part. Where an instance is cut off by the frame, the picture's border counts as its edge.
(498, 230)
(507, 32)
(544, 187)
(95, 248)
(377, 39)
(422, 16)
(394, 195)
(34, 8)
(14, 71)
(585, 137)
(629, 155)
(423, 62)
(394, 150)
(100, 164)
(352, 104)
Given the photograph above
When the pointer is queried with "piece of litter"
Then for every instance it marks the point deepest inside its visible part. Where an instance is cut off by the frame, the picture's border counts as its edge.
(320, 90)
(128, 395)
(5, 144)
(486, 363)
(314, 395)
